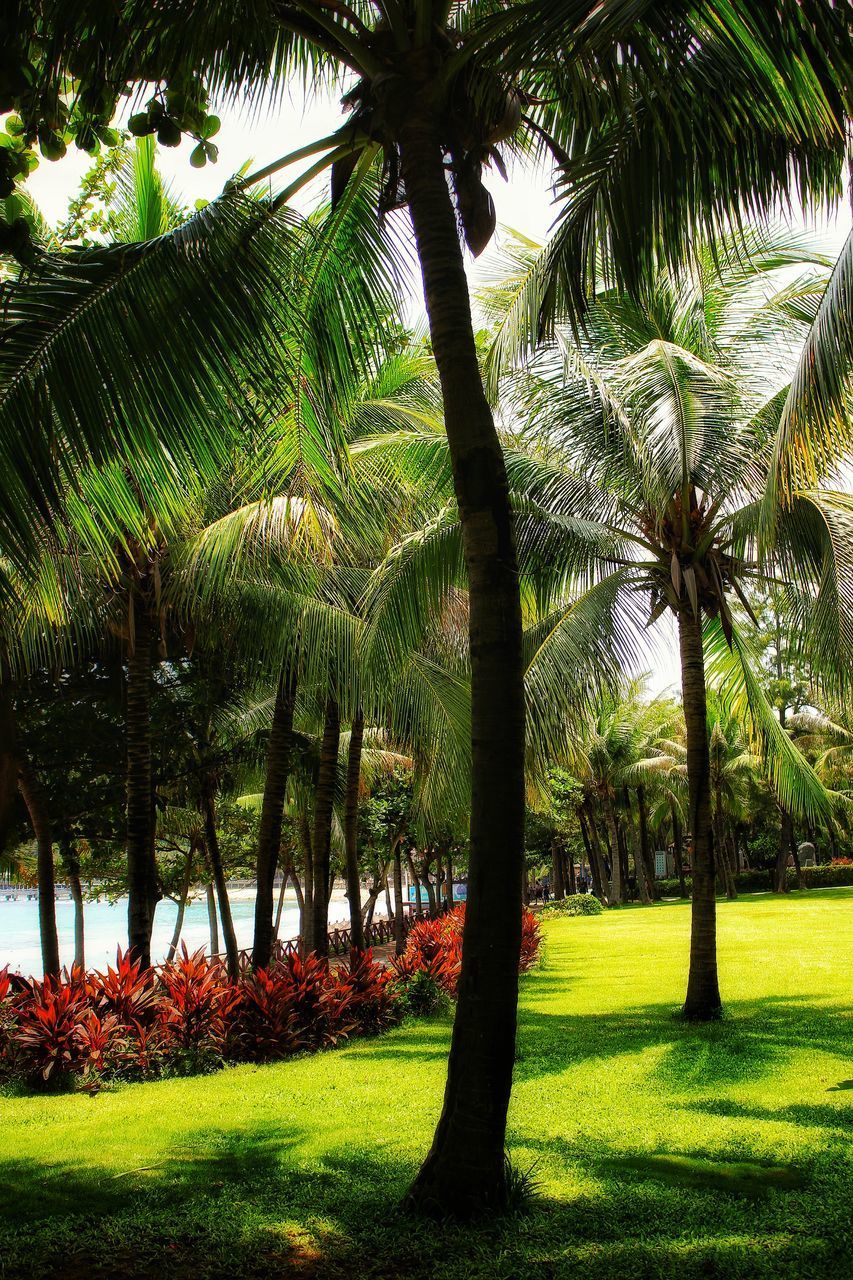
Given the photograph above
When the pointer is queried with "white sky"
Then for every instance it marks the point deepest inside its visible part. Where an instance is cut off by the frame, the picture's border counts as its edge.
(523, 203)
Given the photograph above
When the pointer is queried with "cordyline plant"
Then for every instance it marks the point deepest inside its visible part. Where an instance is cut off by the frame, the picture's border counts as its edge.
(655, 91)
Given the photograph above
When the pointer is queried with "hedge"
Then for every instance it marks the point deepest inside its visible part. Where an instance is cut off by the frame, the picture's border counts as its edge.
(760, 881)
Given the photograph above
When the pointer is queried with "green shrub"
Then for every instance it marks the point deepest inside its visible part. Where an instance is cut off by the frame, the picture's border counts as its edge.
(576, 904)
(423, 995)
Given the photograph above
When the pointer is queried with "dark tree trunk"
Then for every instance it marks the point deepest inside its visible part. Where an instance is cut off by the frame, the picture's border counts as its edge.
(279, 906)
(703, 992)
(232, 955)
(676, 850)
(787, 846)
(646, 854)
(569, 871)
(617, 893)
(465, 1169)
(721, 853)
(141, 865)
(308, 891)
(211, 920)
(300, 900)
(399, 924)
(279, 753)
(558, 887)
(448, 874)
(71, 866)
(416, 881)
(182, 905)
(36, 802)
(388, 907)
(351, 832)
(8, 752)
(431, 890)
(321, 843)
(596, 858)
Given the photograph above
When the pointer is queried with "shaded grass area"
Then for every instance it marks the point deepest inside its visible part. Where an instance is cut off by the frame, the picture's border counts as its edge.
(660, 1149)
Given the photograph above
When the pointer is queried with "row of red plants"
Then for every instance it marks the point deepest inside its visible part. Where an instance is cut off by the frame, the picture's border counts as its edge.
(188, 1016)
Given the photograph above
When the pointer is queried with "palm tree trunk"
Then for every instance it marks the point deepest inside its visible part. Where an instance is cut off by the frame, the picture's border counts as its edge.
(415, 879)
(71, 866)
(388, 908)
(141, 867)
(786, 847)
(596, 858)
(617, 893)
(449, 877)
(645, 844)
(558, 887)
(279, 907)
(211, 920)
(721, 853)
(308, 893)
(279, 752)
(399, 926)
(351, 831)
(464, 1171)
(232, 955)
(676, 849)
(703, 992)
(324, 797)
(36, 802)
(182, 905)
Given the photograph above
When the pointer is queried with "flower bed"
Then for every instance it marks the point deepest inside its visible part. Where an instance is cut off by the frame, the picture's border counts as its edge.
(87, 1028)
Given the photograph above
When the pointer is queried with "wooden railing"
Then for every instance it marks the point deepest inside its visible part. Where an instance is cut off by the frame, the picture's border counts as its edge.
(340, 939)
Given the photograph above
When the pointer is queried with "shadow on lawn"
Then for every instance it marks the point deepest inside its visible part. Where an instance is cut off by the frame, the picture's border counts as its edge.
(240, 1207)
(753, 1039)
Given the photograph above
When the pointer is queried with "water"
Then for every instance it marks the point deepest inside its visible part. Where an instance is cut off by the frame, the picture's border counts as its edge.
(106, 928)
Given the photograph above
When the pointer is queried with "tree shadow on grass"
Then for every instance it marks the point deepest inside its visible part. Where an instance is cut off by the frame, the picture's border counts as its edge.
(246, 1206)
(753, 1039)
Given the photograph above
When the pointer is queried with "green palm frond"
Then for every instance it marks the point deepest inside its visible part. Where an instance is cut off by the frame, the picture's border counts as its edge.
(794, 781)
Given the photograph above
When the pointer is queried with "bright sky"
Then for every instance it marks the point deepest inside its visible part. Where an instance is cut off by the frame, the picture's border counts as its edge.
(523, 203)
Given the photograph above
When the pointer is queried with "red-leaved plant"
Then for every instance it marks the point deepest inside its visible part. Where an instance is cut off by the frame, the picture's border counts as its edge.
(192, 1010)
(367, 993)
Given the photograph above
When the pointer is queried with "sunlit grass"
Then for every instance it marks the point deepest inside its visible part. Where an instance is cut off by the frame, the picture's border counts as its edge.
(660, 1149)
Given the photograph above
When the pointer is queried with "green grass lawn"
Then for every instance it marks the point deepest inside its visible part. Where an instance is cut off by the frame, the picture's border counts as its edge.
(661, 1150)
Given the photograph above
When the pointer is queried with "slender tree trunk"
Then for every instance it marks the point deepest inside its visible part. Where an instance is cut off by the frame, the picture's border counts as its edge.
(182, 905)
(676, 849)
(211, 920)
(465, 1169)
(786, 847)
(232, 955)
(449, 877)
(617, 894)
(721, 853)
(8, 750)
(569, 871)
(415, 879)
(596, 857)
(388, 908)
(71, 866)
(646, 854)
(432, 890)
(36, 802)
(321, 843)
(141, 867)
(279, 906)
(301, 901)
(278, 761)
(399, 927)
(558, 888)
(308, 892)
(703, 992)
(351, 831)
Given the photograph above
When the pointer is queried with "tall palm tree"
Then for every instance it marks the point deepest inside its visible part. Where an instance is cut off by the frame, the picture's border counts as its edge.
(654, 433)
(436, 86)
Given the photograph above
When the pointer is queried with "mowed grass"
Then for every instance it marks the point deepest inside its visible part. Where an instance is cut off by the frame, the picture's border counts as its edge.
(660, 1149)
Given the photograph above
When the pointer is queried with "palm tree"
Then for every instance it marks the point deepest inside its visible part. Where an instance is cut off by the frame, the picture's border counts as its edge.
(434, 86)
(654, 433)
